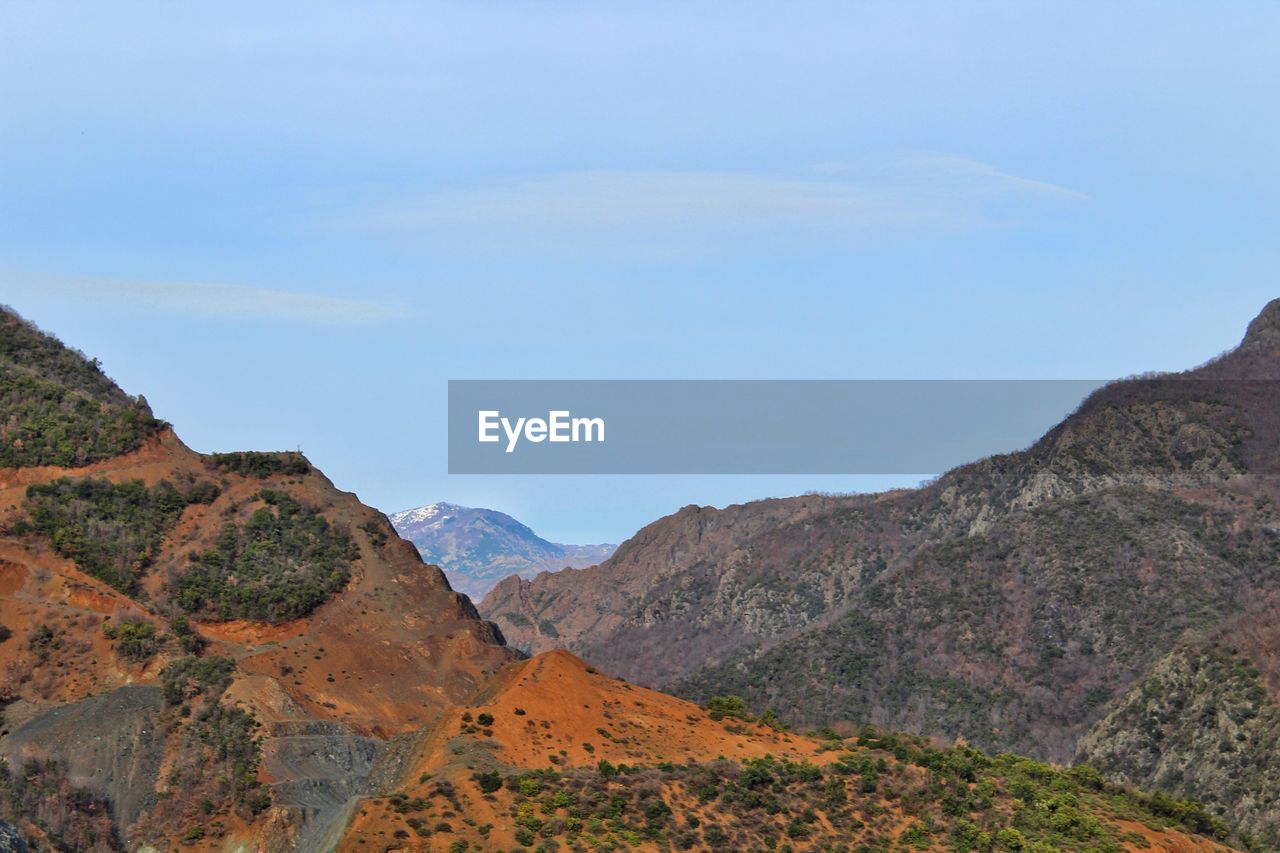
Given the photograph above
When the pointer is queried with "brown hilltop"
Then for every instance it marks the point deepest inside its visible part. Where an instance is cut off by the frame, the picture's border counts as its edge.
(403, 644)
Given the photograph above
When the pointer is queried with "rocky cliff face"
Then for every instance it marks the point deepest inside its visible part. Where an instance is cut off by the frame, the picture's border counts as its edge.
(479, 547)
(1014, 602)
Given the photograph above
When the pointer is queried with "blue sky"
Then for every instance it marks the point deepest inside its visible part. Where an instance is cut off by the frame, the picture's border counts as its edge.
(288, 225)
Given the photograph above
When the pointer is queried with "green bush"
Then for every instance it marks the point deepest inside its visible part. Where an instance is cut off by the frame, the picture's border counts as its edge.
(252, 463)
(719, 707)
(112, 531)
(136, 640)
(201, 676)
(188, 640)
(282, 564)
(489, 781)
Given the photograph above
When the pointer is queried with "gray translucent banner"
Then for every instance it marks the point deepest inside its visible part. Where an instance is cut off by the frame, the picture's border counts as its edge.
(747, 426)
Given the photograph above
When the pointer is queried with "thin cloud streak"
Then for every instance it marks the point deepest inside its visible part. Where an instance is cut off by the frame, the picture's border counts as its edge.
(223, 301)
(921, 191)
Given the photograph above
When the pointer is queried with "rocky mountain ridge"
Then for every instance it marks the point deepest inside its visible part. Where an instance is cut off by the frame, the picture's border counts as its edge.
(1013, 602)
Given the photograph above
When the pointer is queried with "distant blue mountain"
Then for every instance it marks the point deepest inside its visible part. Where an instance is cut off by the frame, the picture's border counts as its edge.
(479, 547)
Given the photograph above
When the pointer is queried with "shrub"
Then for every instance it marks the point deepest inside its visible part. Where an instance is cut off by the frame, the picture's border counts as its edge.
(252, 463)
(40, 793)
(202, 676)
(135, 639)
(111, 530)
(282, 564)
(719, 707)
(489, 781)
(188, 640)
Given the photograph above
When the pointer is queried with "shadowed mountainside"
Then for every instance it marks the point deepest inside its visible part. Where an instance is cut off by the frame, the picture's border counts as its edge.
(1014, 602)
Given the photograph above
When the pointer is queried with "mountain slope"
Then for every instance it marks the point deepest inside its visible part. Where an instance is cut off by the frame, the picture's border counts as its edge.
(155, 601)
(1013, 602)
(479, 547)
(224, 652)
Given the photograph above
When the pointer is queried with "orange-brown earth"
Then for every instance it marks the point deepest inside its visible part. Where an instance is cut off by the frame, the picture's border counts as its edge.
(389, 653)
(558, 713)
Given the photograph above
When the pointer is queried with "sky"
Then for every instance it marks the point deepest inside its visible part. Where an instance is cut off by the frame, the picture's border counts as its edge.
(288, 225)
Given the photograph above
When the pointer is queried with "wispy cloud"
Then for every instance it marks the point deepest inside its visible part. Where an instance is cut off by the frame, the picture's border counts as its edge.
(227, 301)
(922, 191)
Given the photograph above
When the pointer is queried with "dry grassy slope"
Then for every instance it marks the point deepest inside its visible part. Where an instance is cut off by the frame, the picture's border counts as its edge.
(556, 711)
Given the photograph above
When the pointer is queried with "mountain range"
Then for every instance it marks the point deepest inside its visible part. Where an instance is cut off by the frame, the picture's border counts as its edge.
(1107, 595)
(479, 547)
(225, 652)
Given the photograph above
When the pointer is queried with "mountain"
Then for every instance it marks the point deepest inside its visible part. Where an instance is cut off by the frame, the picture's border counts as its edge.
(1094, 597)
(224, 652)
(479, 547)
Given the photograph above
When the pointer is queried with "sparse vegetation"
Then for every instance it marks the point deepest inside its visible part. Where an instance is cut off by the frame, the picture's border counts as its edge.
(1200, 721)
(112, 531)
(220, 748)
(252, 463)
(38, 794)
(281, 564)
(719, 707)
(956, 798)
(57, 407)
(192, 676)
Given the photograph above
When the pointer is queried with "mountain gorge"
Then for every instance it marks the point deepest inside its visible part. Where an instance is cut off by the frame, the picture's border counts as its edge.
(479, 547)
(225, 652)
(1047, 601)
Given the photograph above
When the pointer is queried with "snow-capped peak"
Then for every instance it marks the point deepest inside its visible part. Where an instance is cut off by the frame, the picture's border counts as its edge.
(422, 514)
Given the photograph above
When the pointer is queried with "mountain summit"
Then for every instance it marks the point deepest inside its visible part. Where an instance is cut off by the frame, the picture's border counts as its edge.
(1264, 331)
(479, 547)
